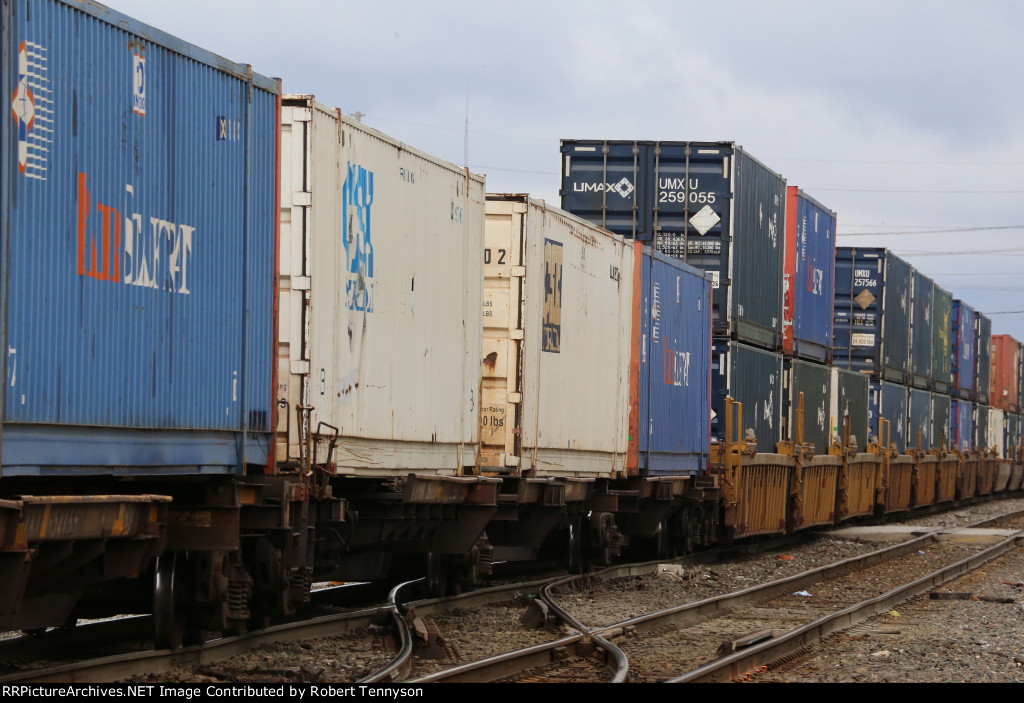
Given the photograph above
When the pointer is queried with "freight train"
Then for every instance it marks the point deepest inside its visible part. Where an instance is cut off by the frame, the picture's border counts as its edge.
(251, 343)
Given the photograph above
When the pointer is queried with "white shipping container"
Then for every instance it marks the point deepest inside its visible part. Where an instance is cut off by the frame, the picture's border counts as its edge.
(557, 315)
(996, 431)
(380, 292)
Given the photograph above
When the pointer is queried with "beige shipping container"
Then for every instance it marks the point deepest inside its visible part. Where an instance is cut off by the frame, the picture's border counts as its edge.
(380, 292)
(557, 315)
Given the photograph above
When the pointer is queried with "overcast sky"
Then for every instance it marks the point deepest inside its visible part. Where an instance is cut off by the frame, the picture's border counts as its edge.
(902, 116)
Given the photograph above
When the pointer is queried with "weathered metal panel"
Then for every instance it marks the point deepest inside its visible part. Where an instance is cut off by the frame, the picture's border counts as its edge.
(709, 204)
(919, 415)
(753, 377)
(924, 482)
(983, 356)
(1004, 381)
(996, 431)
(385, 271)
(809, 280)
(981, 418)
(942, 340)
(889, 401)
(139, 240)
(673, 354)
(849, 398)
(576, 312)
(964, 351)
(961, 425)
(941, 436)
(763, 486)
(819, 481)
(947, 478)
(858, 484)
(872, 313)
(898, 484)
(814, 381)
(922, 330)
(1011, 435)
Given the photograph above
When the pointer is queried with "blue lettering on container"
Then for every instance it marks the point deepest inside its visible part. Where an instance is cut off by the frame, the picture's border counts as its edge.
(356, 235)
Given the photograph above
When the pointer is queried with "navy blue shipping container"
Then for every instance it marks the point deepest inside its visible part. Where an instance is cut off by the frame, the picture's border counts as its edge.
(138, 242)
(922, 331)
(983, 357)
(752, 377)
(709, 204)
(872, 313)
(920, 419)
(961, 425)
(981, 418)
(809, 278)
(964, 353)
(941, 421)
(889, 401)
(813, 380)
(674, 362)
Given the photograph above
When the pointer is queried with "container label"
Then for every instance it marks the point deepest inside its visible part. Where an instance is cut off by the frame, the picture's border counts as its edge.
(119, 247)
(357, 237)
(32, 109)
(552, 325)
(138, 84)
(622, 187)
(863, 340)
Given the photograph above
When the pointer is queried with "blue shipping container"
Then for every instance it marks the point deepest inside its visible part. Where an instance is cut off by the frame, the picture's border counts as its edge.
(920, 417)
(961, 425)
(752, 377)
(964, 351)
(872, 313)
(709, 204)
(674, 364)
(889, 401)
(810, 277)
(138, 242)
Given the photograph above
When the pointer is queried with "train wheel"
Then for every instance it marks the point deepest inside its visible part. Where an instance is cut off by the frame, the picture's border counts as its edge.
(437, 574)
(662, 544)
(170, 615)
(574, 547)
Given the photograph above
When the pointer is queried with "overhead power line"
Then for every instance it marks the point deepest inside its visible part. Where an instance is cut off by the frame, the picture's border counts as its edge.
(931, 231)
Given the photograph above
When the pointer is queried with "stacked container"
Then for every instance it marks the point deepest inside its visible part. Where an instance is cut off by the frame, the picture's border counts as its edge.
(983, 356)
(752, 377)
(809, 277)
(1004, 382)
(964, 351)
(814, 382)
(922, 331)
(889, 401)
(942, 340)
(873, 313)
(849, 397)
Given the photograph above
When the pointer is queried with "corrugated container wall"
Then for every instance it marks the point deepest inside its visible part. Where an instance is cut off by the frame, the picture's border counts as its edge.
(961, 425)
(872, 313)
(964, 350)
(809, 277)
(752, 377)
(813, 380)
(941, 421)
(709, 204)
(922, 331)
(381, 291)
(996, 438)
(671, 363)
(983, 356)
(558, 342)
(942, 340)
(981, 416)
(849, 398)
(889, 401)
(1012, 436)
(1004, 378)
(920, 416)
(138, 238)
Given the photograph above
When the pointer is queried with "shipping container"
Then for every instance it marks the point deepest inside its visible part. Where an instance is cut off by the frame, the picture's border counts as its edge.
(849, 398)
(964, 351)
(558, 315)
(982, 356)
(981, 418)
(941, 437)
(1004, 378)
(961, 425)
(809, 277)
(921, 331)
(1011, 436)
(752, 377)
(381, 292)
(872, 313)
(709, 204)
(137, 243)
(889, 401)
(996, 431)
(942, 340)
(671, 365)
(920, 418)
(814, 381)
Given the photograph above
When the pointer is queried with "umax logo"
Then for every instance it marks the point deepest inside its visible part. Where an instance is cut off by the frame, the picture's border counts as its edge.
(130, 249)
